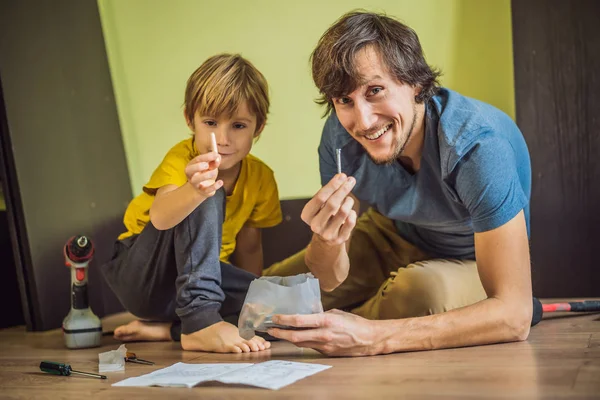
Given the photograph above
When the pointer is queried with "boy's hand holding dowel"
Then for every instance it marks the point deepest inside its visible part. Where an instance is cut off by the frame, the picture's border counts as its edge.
(202, 171)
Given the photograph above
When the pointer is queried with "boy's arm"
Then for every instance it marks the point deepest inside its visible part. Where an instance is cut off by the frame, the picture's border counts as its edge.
(172, 204)
(248, 253)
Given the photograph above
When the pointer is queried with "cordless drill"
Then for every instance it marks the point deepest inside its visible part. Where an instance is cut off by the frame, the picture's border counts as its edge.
(81, 327)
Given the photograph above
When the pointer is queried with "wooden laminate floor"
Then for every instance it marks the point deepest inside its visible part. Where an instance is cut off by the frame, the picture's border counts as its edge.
(561, 359)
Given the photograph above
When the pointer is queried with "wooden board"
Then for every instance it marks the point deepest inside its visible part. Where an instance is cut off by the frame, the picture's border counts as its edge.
(561, 359)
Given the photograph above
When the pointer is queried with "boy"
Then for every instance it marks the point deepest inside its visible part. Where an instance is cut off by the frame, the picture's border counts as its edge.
(201, 204)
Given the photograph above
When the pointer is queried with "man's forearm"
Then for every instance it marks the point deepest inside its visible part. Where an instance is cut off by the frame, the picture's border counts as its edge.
(329, 263)
(489, 321)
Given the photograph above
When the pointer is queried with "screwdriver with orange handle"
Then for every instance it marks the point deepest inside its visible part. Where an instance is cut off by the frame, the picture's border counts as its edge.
(55, 368)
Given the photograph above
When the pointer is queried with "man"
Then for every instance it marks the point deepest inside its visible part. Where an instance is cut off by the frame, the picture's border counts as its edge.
(441, 259)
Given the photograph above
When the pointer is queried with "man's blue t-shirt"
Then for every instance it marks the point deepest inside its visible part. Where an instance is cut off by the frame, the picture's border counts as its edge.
(475, 175)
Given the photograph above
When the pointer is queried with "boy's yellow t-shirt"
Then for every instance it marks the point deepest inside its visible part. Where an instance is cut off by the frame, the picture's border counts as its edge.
(254, 201)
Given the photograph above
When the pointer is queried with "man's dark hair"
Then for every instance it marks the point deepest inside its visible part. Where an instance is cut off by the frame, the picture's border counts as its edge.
(333, 60)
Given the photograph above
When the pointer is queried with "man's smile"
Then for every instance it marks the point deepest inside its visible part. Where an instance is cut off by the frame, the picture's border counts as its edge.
(379, 133)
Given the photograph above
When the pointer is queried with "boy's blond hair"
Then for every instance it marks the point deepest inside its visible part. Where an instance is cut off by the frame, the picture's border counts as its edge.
(221, 84)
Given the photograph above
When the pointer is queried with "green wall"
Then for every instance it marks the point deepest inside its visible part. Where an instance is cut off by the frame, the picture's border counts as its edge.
(154, 45)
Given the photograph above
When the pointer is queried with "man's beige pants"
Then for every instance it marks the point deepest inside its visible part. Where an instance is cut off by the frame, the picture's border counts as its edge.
(390, 278)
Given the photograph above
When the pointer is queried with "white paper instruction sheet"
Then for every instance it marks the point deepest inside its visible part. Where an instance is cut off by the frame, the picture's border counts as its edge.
(268, 375)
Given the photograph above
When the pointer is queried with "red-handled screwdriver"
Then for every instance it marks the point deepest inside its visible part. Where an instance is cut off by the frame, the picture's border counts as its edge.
(55, 368)
(578, 306)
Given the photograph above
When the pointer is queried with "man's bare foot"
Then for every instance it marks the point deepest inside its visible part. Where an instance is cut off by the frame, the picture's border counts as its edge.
(137, 331)
(222, 337)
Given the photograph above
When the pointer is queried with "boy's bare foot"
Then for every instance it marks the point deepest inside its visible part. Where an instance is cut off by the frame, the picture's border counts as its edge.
(137, 330)
(222, 337)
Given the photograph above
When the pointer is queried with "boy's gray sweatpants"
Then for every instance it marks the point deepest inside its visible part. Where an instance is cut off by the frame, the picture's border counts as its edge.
(176, 274)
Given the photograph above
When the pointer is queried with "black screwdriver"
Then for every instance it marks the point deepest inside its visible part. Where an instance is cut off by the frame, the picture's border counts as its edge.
(55, 368)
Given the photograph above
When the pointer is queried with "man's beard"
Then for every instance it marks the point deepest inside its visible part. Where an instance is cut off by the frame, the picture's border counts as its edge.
(399, 147)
